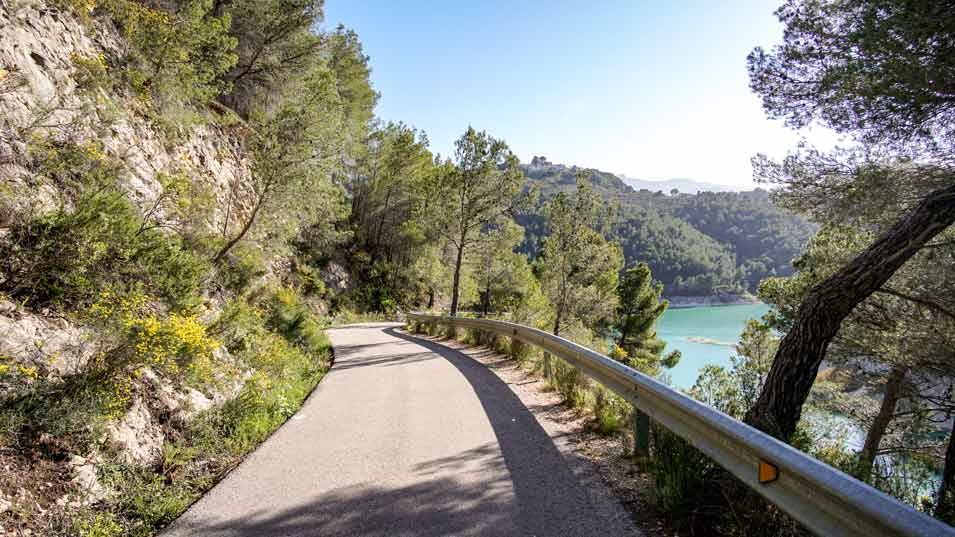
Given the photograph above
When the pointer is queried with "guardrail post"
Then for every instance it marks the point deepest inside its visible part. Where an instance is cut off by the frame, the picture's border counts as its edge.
(641, 433)
(547, 368)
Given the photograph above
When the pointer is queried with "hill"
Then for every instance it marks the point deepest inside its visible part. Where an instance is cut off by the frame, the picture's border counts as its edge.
(696, 244)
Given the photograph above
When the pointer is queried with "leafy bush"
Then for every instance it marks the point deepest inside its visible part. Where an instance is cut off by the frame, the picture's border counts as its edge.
(177, 54)
(244, 264)
(611, 412)
(98, 525)
(65, 258)
(297, 324)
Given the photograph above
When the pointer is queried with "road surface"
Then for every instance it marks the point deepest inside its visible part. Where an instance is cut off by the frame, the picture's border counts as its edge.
(405, 437)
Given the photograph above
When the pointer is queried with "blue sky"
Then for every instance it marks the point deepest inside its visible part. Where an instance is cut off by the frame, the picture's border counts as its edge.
(648, 89)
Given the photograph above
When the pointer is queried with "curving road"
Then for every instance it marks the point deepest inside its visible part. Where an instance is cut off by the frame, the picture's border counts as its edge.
(405, 437)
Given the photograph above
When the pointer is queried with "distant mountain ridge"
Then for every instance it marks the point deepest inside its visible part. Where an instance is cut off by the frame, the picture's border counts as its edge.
(698, 242)
(685, 186)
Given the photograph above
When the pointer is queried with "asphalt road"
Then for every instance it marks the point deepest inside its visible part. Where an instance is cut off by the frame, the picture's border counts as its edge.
(405, 437)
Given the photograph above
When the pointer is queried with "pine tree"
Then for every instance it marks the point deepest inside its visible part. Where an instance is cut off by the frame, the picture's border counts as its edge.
(640, 306)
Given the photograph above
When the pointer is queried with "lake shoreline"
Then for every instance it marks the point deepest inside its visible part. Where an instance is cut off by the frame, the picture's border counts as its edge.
(705, 301)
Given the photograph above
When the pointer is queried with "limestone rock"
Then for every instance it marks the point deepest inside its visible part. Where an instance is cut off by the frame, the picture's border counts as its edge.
(86, 480)
(137, 436)
(35, 340)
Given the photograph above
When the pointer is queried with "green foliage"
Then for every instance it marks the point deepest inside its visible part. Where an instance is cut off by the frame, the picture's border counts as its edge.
(147, 502)
(275, 44)
(734, 390)
(293, 146)
(611, 412)
(99, 525)
(245, 264)
(701, 244)
(763, 237)
(683, 479)
(870, 69)
(392, 256)
(175, 55)
(637, 313)
(65, 258)
(281, 342)
(479, 190)
(517, 349)
(297, 324)
(687, 261)
(504, 279)
(350, 65)
(95, 240)
(578, 267)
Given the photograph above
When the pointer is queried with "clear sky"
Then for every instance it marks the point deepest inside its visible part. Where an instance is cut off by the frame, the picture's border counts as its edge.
(653, 90)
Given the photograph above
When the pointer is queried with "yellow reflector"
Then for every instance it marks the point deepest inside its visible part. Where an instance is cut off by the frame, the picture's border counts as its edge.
(767, 472)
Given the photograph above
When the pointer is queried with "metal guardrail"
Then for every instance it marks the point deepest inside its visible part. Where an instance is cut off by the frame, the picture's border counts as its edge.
(825, 500)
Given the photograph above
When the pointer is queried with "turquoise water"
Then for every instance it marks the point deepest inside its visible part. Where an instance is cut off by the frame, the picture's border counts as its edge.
(705, 335)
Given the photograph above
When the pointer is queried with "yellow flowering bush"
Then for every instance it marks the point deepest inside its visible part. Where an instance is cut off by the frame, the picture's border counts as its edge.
(172, 343)
(11, 370)
(176, 344)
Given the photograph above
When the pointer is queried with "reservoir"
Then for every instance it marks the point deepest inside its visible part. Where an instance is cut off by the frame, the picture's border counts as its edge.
(704, 335)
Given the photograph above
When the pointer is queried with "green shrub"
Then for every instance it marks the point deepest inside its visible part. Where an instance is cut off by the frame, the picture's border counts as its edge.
(65, 258)
(312, 283)
(98, 525)
(610, 411)
(177, 54)
(570, 383)
(518, 350)
(472, 336)
(244, 265)
(683, 476)
(448, 331)
(297, 324)
(146, 500)
(73, 411)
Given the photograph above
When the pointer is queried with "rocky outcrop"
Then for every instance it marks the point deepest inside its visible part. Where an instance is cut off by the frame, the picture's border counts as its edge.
(51, 345)
(39, 48)
(39, 97)
(86, 481)
(137, 436)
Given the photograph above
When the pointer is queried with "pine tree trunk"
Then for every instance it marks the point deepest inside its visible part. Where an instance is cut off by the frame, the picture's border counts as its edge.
(945, 508)
(245, 229)
(893, 392)
(457, 281)
(779, 406)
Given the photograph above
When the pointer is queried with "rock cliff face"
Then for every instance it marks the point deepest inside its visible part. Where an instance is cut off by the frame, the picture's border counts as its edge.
(39, 49)
(39, 95)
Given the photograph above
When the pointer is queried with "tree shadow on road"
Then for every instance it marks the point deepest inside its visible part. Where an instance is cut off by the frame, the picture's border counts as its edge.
(540, 494)
(548, 487)
(435, 507)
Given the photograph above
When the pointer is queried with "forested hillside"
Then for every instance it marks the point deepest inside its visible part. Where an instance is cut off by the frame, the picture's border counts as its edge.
(696, 244)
